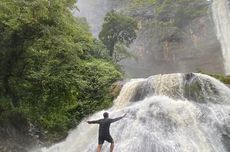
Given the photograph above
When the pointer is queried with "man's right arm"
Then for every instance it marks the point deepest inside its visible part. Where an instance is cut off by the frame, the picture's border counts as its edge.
(94, 122)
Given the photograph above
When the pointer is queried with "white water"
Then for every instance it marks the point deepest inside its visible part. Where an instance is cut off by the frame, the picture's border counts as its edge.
(159, 121)
(221, 16)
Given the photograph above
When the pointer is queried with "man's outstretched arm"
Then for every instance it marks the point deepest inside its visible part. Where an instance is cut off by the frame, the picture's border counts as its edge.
(94, 121)
(118, 118)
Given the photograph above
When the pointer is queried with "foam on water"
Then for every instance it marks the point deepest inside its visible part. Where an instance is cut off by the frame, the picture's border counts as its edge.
(159, 121)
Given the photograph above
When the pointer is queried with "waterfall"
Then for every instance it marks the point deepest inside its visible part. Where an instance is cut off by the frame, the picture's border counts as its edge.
(221, 16)
(165, 113)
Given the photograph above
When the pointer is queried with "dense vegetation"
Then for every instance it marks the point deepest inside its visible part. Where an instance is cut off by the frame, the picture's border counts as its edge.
(52, 71)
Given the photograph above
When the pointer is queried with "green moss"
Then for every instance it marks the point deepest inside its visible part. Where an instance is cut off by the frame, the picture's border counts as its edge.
(224, 79)
(221, 77)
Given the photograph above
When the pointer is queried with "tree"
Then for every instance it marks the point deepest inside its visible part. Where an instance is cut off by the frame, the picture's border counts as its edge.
(117, 28)
(52, 70)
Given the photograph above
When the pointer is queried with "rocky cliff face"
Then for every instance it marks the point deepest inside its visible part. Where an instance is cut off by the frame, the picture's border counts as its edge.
(162, 47)
(193, 48)
(170, 42)
(17, 134)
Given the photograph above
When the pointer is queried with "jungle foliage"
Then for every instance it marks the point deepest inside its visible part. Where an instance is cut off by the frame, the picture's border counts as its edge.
(52, 71)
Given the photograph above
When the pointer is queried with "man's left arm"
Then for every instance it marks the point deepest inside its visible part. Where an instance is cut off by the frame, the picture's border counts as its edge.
(118, 118)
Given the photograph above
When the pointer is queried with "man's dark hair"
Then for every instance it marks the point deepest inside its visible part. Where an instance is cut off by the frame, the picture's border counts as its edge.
(106, 114)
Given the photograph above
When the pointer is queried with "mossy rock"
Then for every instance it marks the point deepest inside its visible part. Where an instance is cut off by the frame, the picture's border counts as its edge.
(116, 88)
(221, 77)
(198, 89)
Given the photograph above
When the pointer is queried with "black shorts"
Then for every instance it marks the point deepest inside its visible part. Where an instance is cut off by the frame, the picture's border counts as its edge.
(106, 138)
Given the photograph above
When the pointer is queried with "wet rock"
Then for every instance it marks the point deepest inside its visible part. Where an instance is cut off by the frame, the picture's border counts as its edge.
(16, 134)
(144, 90)
(116, 88)
(189, 76)
(198, 89)
(226, 141)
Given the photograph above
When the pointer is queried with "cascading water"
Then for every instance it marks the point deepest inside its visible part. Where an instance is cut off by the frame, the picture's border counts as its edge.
(221, 16)
(165, 113)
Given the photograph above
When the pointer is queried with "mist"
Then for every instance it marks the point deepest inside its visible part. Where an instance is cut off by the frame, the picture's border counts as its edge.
(159, 49)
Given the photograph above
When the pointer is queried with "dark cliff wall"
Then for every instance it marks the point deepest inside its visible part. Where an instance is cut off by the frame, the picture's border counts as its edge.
(17, 134)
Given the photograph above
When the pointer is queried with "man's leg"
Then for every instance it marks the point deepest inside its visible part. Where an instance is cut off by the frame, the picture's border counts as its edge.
(110, 140)
(99, 147)
(111, 147)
